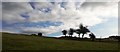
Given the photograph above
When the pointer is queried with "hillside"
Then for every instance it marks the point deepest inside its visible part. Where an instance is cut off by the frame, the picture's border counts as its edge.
(23, 42)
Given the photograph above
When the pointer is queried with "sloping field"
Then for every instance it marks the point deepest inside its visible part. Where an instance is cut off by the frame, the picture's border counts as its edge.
(22, 42)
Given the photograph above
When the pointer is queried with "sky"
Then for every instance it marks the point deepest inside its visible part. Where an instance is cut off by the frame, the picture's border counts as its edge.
(51, 18)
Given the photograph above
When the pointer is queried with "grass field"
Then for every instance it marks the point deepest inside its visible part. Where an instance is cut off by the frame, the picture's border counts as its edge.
(22, 42)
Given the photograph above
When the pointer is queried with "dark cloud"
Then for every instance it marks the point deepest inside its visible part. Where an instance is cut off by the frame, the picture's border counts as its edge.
(93, 4)
(11, 5)
(11, 11)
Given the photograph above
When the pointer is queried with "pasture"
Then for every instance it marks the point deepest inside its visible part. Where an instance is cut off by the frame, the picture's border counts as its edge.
(23, 42)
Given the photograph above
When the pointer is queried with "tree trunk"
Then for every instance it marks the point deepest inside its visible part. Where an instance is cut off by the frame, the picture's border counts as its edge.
(79, 35)
(82, 35)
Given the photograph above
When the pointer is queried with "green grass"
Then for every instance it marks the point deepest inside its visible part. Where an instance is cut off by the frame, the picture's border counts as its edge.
(22, 42)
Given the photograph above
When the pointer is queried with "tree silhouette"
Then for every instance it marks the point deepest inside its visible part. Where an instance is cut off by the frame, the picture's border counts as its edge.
(81, 26)
(71, 32)
(33, 34)
(115, 37)
(78, 31)
(83, 30)
(39, 34)
(92, 36)
(64, 32)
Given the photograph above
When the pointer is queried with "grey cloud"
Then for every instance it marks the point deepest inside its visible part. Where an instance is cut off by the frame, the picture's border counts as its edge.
(94, 4)
(11, 11)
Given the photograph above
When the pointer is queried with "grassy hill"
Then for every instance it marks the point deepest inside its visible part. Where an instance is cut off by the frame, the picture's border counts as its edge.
(23, 42)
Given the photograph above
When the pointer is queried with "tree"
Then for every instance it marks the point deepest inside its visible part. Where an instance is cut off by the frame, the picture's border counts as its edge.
(115, 37)
(81, 26)
(71, 32)
(78, 31)
(92, 36)
(83, 30)
(33, 34)
(39, 34)
(64, 32)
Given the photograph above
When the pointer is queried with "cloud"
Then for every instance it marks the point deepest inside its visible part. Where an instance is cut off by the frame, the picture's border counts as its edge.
(47, 30)
(70, 14)
(11, 11)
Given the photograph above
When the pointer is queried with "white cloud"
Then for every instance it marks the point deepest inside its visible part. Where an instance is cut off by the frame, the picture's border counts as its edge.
(47, 30)
(90, 14)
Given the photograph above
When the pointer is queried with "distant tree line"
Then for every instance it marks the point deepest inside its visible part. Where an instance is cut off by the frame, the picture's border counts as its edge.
(39, 34)
(115, 37)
